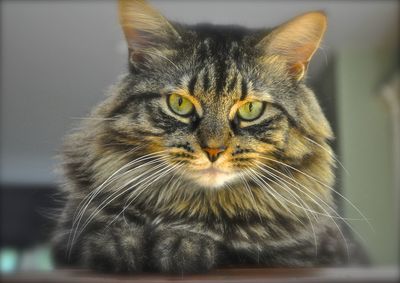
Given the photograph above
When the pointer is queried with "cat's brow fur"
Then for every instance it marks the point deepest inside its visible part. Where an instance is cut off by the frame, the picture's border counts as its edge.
(173, 224)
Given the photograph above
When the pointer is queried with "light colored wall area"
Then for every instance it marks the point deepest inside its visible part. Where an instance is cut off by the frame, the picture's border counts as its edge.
(366, 146)
(58, 59)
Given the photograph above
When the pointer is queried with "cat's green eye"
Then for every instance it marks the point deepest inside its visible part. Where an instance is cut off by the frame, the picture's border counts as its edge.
(180, 105)
(251, 110)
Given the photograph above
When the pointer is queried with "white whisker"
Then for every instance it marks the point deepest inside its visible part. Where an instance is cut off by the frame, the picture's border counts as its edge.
(332, 154)
(246, 185)
(94, 193)
(328, 206)
(71, 242)
(303, 206)
(143, 187)
(323, 184)
(116, 194)
(262, 184)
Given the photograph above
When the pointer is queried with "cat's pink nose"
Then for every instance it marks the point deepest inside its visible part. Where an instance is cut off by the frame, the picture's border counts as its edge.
(214, 153)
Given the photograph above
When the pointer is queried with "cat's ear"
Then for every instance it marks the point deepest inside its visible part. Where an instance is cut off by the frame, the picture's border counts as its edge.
(296, 41)
(145, 29)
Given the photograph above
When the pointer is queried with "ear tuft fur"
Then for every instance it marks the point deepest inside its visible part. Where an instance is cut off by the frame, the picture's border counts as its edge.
(296, 41)
(145, 29)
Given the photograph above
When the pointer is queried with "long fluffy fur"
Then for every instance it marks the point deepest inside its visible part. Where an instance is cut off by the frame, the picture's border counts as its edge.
(134, 200)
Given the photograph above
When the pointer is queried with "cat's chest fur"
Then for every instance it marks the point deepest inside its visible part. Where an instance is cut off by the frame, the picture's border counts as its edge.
(249, 220)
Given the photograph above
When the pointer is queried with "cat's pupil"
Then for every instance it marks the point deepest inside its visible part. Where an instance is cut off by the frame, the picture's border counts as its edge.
(180, 101)
(250, 107)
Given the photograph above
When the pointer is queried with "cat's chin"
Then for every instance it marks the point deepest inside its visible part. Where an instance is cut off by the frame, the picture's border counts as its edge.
(212, 177)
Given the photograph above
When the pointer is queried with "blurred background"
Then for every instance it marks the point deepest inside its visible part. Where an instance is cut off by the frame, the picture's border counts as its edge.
(59, 57)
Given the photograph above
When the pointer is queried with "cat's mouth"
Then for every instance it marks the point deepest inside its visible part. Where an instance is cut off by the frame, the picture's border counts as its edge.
(212, 177)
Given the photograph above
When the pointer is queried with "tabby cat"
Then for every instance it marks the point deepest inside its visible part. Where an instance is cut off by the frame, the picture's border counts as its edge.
(211, 150)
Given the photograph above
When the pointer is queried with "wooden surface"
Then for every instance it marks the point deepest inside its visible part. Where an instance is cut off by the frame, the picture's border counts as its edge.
(241, 275)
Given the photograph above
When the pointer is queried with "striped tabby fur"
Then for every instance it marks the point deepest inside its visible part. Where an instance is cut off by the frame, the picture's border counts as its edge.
(142, 193)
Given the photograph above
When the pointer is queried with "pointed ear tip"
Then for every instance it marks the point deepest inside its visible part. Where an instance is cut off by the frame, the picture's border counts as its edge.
(132, 1)
(319, 16)
(321, 13)
(128, 10)
(123, 4)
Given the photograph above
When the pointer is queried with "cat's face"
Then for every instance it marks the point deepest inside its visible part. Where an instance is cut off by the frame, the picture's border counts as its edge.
(218, 100)
(215, 115)
(217, 123)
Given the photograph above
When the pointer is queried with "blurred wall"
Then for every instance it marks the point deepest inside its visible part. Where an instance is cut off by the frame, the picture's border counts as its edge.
(58, 59)
(365, 140)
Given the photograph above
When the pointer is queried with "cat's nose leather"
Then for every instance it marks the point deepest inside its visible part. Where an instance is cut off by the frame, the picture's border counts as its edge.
(214, 153)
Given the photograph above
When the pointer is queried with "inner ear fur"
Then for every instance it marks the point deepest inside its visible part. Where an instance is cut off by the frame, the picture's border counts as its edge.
(146, 30)
(296, 41)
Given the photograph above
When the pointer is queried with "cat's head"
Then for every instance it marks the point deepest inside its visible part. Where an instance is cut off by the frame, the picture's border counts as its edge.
(223, 101)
